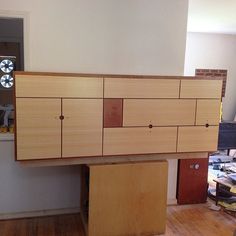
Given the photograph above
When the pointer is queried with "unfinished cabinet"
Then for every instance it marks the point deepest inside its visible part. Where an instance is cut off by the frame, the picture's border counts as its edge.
(124, 199)
(100, 115)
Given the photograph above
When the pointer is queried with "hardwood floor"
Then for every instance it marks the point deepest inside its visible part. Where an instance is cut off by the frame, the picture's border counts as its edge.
(188, 220)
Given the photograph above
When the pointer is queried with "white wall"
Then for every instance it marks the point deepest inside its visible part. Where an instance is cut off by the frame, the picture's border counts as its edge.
(214, 51)
(101, 36)
(27, 189)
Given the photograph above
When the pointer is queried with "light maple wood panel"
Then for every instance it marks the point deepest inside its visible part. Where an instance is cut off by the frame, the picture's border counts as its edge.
(208, 112)
(139, 140)
(141, 88)
(127, 199)
(82, 127)
(58, 86)
(158, 112)
(199, 88)
(197, 138)
(38, 128)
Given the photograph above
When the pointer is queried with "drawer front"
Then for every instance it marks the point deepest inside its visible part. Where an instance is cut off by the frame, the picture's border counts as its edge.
(208, 112)
(159, 112)
(118, 141)
(141, 88)
(197, 88)
(58, 86)
(198, 138)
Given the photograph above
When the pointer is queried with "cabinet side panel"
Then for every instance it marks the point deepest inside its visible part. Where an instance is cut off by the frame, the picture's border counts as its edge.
(141, 88)
(198, 138)
(129, 198)
(38, 128)
(139, 140)
(58, 86)
(82, 127)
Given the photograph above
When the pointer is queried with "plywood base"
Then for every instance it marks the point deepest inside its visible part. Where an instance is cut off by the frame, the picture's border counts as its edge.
(127, 199)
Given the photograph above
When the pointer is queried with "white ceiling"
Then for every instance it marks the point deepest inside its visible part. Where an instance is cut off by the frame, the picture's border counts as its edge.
(214, 16)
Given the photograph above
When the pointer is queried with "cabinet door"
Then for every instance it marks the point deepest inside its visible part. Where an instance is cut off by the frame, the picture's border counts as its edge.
(141, 140)
(208, 112)
(159, 112)
(82, 127)
(38, 129)
(197, 139)
(141, 88)
(199, 88)
(63, 86)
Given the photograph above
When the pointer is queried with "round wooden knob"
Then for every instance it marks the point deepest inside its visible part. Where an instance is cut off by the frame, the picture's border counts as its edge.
(207, 125)
(150, 126)
(61, 117)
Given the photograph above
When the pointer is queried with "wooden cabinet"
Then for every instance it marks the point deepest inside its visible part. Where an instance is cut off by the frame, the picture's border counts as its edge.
(99, 115)
(124, 199)
(57, 125)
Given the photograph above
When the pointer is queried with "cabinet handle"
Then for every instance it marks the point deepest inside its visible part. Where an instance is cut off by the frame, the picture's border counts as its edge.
(207, 125)
(61, 117)
(150, 126)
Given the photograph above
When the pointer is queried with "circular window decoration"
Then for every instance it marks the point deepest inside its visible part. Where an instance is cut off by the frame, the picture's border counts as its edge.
(6, 66)
(6, 81)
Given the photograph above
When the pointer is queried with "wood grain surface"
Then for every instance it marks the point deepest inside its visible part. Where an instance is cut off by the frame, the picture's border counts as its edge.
(82, 127)
(159, 112)
(141, 88)
(58, 86)
(139, 140)
(127, 199)
(38, 128)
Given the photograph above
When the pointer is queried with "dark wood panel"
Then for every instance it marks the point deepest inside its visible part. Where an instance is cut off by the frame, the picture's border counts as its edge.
(113, 113)
(192, 181)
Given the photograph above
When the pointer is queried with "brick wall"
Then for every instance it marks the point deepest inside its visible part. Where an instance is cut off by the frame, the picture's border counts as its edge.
(213, 74)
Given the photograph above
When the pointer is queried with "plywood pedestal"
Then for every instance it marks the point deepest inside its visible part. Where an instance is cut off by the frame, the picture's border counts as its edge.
(124, 199)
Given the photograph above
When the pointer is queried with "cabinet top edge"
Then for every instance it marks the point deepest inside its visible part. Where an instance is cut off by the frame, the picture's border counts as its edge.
(110, 76)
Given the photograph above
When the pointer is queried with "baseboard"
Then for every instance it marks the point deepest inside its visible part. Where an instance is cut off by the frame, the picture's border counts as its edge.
(29, 214)
(172, 201)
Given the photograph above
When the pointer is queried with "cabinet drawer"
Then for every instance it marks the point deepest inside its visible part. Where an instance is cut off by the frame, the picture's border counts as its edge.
(199, 88)
(159, 112)
(139, 140)
(58, 86)
(198, 138)
(208, 112)
(141, 88)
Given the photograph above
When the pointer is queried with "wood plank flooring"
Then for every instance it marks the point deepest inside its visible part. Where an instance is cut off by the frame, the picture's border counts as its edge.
(188, 220)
